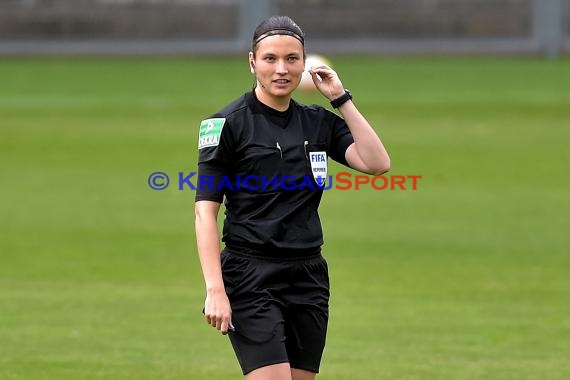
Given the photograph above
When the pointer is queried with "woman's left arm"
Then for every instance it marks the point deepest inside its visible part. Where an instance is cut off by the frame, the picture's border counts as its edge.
(367, 154)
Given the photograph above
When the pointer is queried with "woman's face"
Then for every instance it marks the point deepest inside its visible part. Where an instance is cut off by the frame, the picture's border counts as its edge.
(278, 63)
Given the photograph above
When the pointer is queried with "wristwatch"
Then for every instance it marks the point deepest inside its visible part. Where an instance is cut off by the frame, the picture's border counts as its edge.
(341, 99)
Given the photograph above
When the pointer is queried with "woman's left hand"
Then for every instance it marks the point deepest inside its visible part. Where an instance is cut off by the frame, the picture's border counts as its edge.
(327, 81)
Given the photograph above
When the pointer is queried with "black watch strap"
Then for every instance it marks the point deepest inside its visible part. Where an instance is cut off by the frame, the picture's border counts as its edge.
(341, 99)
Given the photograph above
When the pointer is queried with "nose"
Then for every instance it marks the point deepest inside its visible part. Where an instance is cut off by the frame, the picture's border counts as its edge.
(281, 67)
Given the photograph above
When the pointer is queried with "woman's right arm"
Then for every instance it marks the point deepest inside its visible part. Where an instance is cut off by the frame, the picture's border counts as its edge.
(217, 308)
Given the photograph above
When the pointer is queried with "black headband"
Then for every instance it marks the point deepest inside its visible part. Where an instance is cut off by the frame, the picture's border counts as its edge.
(276, 32)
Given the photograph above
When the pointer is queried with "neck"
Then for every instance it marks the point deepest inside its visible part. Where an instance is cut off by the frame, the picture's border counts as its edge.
(280, 103)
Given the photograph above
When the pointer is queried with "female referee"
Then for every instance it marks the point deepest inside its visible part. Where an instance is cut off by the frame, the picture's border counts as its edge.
(266, 154)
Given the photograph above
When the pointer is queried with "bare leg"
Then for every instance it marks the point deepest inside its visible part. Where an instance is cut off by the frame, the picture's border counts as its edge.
(281, 371)
(301, 374)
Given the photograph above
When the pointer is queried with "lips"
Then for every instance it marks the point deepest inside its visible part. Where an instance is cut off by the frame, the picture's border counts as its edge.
(281, 81)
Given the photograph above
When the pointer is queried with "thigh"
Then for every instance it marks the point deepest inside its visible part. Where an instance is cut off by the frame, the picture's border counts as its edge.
(274, 372)
(300, 374)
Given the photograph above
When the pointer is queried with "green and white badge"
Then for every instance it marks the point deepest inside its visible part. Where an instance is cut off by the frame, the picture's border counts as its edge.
(210, 131)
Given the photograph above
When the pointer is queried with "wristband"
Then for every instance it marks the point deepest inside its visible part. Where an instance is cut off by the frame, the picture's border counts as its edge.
(336, 103)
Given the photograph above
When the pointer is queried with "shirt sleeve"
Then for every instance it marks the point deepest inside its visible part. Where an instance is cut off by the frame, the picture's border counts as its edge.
(215, 156)
(341, 138)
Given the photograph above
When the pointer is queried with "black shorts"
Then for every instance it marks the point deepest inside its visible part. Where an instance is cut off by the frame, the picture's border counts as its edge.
(279, 309)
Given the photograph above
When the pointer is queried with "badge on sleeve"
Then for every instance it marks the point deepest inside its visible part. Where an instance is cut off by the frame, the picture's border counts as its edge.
(210, 131)
(319, 167)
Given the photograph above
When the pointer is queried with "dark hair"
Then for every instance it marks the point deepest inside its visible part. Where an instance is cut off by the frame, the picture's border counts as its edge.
(277, 25)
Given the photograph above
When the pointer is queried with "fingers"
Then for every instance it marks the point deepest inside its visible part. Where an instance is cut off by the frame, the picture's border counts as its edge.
(319, 67)
(318, 75)
(322, 72)
(315, 76)
(327, 82)
(220, 320)
(227, 326)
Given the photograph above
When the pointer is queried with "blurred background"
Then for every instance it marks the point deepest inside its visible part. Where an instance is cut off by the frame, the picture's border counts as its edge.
(225, 26)
(464, 278)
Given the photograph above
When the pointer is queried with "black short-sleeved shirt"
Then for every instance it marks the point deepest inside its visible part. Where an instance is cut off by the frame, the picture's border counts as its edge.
(259, 159)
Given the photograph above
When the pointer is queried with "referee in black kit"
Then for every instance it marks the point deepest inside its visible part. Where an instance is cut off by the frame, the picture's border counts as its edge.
(269, 288)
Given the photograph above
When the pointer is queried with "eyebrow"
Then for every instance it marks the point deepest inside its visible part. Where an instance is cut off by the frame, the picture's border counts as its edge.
(272, 54)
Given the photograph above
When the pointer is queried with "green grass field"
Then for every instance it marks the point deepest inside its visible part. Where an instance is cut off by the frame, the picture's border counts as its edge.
(465, 278)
